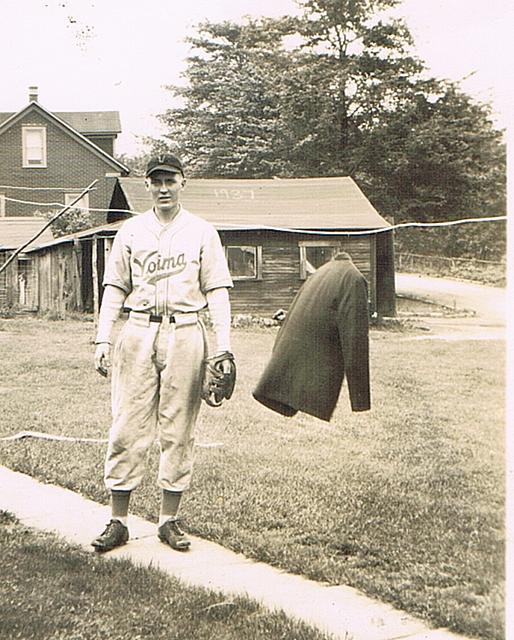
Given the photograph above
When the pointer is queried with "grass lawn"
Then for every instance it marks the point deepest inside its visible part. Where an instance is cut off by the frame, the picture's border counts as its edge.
(404, 502)
(51, 590)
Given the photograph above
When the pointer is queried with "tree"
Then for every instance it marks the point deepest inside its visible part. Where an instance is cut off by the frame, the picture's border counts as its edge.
(441, 158)
(137, 164)
(227, 124)
(337, 91)
(354, 67)
(71, 221)
(254, 108)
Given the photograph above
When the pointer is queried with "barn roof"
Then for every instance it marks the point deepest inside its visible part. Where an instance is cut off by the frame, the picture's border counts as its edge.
(15, 231)
(323, 204)
(296, 203)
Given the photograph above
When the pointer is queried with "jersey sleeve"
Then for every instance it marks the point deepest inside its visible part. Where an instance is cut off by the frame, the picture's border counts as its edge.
(118, 270)
(214, 271)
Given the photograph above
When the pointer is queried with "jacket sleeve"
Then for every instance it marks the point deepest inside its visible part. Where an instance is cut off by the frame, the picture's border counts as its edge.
(353, 326)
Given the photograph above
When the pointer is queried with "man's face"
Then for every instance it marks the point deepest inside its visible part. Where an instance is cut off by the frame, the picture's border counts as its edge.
(165, 188)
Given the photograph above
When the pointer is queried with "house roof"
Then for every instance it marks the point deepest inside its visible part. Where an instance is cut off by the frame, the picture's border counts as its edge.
(79, 137)
(299, 203)
(85, 122)
(15, 231)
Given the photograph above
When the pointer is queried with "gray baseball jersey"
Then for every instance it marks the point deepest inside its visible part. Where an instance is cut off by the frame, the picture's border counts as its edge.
(167, 268)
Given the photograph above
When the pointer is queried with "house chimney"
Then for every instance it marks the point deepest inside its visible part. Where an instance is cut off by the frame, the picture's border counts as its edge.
(32, 94)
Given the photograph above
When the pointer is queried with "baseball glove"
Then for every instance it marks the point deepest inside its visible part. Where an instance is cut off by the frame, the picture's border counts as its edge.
(219, 378)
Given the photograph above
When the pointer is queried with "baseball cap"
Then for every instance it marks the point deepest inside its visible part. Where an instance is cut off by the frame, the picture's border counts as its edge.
(164, 162)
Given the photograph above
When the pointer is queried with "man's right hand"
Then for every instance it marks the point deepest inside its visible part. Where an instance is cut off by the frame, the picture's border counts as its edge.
(103, 358)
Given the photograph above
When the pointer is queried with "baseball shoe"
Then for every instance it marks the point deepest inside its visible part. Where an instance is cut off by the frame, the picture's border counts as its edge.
(171, 533)
(115, 535)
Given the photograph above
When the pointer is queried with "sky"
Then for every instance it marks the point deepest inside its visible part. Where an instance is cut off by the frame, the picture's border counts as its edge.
(89, 55)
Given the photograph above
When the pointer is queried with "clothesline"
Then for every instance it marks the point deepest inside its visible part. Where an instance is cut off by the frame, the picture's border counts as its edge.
(59, 204)
(238, 226)
(39, 435)
(61, 189)
(401, 225)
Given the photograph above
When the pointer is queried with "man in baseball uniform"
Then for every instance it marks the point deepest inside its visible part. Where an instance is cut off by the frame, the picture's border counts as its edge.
(165, 266)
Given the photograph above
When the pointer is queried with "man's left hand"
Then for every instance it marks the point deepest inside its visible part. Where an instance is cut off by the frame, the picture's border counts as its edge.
(219, 378)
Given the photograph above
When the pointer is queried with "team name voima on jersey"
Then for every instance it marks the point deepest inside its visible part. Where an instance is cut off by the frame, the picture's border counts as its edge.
(155, 267)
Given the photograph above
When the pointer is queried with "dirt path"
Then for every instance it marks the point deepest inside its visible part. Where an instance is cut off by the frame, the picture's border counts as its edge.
(488, 305)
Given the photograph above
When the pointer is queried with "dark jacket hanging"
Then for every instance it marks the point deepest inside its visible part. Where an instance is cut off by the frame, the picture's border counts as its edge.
(323, 339)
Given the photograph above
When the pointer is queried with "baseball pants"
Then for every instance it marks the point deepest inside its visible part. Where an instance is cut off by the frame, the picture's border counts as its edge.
(156, 385)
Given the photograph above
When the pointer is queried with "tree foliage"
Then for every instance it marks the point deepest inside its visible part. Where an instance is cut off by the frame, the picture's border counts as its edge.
(71, 221)
(227, 125)
(441, 159)
(137, 164)
(338, 91)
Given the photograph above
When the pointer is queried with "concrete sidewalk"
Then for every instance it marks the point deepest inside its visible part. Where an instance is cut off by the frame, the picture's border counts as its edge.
(338, 610)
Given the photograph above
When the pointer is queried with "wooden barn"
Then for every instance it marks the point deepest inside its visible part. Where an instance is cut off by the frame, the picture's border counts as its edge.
(275, 232)
(19, 282)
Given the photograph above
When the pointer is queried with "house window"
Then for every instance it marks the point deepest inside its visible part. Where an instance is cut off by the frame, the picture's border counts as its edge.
(244, 262)
(34, 146)
(2, 205)
(81, 205)
(314, 254)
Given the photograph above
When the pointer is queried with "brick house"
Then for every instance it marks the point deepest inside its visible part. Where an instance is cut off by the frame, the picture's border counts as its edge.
(46, 160)
(51, 157)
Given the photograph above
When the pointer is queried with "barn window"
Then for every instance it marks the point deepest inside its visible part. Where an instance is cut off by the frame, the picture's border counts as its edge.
(34, 146)
(244, 262)
(314, 254)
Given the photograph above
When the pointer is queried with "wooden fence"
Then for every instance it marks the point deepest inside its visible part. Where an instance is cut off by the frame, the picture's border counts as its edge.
(416, 261)
(484, 271)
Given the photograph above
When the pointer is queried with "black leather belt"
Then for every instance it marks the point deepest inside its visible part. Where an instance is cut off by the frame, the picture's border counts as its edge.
(153, 317)
(160, 318)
